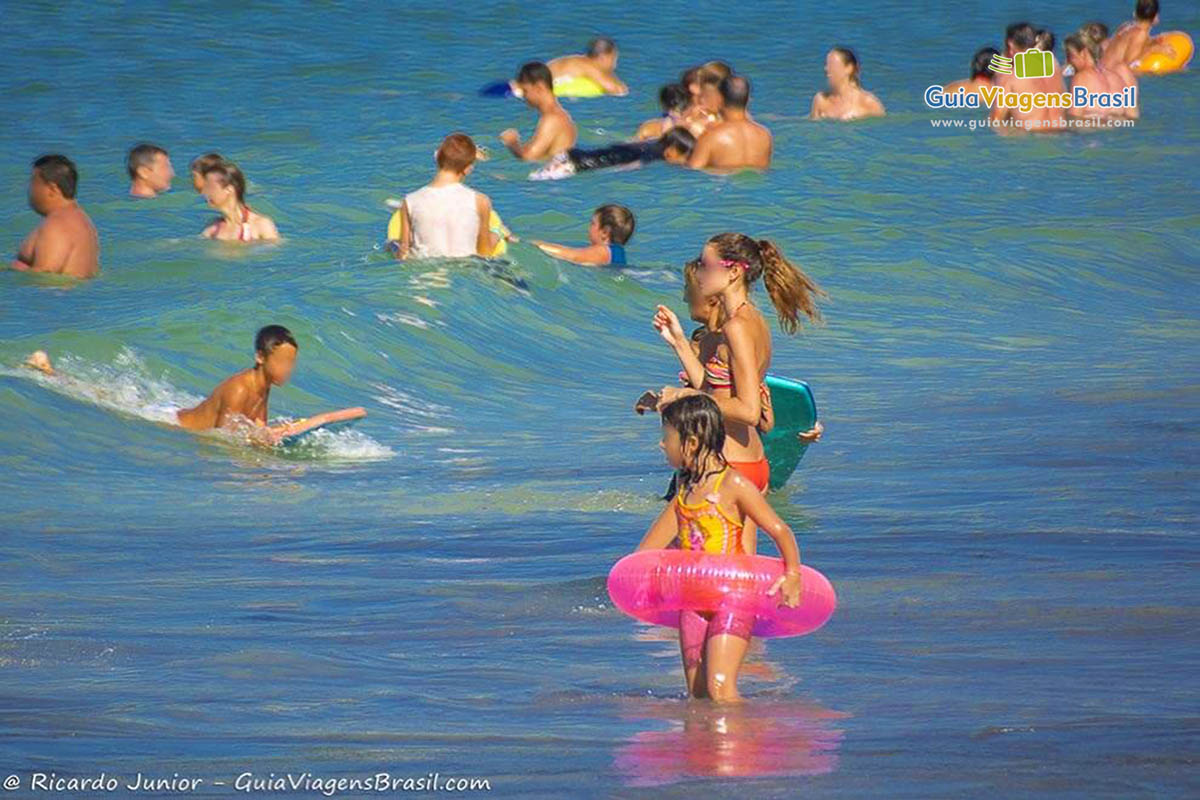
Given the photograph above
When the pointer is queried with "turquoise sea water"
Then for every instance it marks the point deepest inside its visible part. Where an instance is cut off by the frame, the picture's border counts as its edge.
(1005, 498)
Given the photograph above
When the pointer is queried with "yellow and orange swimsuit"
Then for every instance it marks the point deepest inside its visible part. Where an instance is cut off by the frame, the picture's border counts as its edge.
(707, 527)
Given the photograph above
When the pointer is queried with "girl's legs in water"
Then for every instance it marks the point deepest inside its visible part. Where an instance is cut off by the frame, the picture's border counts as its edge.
(724, 654)
(713, 651)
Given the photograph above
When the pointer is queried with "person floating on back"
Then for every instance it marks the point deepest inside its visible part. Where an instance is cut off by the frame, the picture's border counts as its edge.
(846, 99)
(239, 403)
(446, 219)
(555, 131)
(598, 65)
(150, 171)
(225, 190)
(65, 243)
(737, 141)
(675, 147)
(610, 230)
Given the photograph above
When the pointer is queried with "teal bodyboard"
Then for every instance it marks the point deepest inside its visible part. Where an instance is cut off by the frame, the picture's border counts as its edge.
(795, 412)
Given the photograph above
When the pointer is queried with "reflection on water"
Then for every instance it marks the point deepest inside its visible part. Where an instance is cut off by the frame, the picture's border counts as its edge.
(757, 738)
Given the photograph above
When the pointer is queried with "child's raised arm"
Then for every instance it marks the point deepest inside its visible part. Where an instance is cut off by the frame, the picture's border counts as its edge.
(662, 532)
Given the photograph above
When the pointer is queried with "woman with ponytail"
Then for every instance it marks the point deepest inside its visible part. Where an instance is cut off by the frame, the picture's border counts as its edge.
(730, 265)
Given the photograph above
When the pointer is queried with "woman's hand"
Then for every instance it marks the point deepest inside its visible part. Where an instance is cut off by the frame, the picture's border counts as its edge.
(811, 435)
(668, 327)
(789, 587)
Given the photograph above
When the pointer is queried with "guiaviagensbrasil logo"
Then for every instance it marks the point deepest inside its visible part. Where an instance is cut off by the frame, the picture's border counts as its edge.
(1030, 64)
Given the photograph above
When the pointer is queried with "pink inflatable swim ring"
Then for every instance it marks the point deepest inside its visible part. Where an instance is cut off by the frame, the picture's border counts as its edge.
(655, 585)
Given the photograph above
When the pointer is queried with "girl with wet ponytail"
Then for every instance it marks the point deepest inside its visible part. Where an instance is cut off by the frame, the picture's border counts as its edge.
(730, 265)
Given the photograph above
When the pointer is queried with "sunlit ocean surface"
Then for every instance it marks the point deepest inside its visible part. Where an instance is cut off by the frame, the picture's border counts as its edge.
(1005, 497)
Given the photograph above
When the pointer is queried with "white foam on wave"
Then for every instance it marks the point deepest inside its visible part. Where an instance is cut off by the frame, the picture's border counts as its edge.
(125, 386)
(342, 444)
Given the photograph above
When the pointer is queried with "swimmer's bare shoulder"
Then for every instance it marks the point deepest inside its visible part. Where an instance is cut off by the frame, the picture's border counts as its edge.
(819, 103)
(233, 397)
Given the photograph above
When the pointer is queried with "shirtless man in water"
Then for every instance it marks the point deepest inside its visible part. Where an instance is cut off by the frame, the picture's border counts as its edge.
(555, 132)
(1019, 37)
(66, 242)
(737, 141)
(599, 65)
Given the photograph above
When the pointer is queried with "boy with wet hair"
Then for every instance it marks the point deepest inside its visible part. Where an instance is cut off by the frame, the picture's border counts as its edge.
(241, 400)
(555, 131)
(446, 219)
(611, 228)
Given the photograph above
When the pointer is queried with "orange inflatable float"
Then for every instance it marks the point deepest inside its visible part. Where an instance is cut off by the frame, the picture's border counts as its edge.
(1173, 51)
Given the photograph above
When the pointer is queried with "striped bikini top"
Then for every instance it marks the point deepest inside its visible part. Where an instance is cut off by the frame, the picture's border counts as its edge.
(716, 372)
(706, 526)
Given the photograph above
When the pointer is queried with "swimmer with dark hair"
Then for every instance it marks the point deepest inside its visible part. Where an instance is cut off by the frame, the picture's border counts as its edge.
(240, 401)
(674, 100)
(981, 73)
(555, 131)
(599, 64)
(674, 147)
(612, 227)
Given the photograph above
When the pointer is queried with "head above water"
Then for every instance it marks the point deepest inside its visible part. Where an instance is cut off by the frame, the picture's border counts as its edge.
(200, 164)
(734, 261)
(1019, 37)
(735, 92)
(1146, 11)
(980, 62)
(677, 145)
(603, 51)
(150, 164)
(53, 181)
(1082, 52)
(1096, 31)
(457, 154)
(693, 436)
(611, 224)
(536, 82)
(222, 181)
(709, 96)
(674, 98)
(1044, 40)
(841, 66)
(275, 351)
